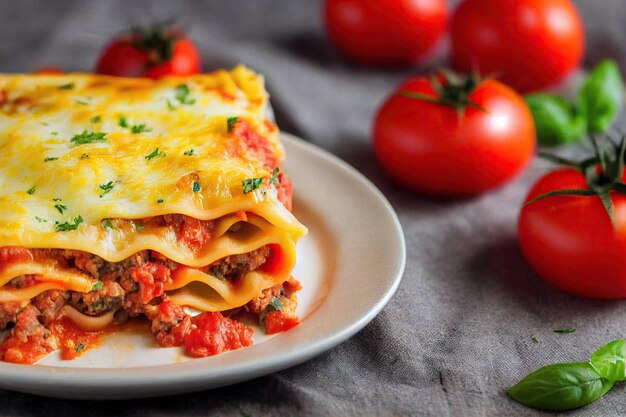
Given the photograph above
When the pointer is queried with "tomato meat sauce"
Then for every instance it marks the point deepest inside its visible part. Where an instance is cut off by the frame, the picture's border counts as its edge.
(29, 340)
(212, 333)
(249, 142)
(135, 287)
(278, 321)
(72, 340)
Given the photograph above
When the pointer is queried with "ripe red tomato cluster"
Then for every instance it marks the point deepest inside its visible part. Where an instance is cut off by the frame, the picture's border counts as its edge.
(527, 44)
(460, 137)
(420, 139)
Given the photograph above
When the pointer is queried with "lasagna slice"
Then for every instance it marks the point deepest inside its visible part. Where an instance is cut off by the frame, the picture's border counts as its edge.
(126, 197)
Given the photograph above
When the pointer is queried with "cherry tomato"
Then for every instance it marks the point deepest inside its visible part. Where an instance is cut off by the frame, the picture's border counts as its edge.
(570, 240)
(154, 53)
(385, 32)
(440, 150)
(527, 44)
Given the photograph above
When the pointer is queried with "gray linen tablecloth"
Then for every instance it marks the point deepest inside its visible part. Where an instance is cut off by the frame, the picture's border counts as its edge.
(457, 333)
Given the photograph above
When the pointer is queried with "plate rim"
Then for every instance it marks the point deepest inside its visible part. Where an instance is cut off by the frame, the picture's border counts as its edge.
(37, 379)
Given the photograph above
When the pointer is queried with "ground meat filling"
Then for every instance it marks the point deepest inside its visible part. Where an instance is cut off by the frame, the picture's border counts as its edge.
(95, 303)
(236, 266)
(129, 288)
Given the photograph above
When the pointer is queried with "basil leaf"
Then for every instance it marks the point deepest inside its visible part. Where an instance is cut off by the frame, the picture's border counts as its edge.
(562, 386)
(609, 361)
(601, 96)
(556, 121)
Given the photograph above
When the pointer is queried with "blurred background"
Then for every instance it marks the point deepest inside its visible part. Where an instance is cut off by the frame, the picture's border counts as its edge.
(283, 39)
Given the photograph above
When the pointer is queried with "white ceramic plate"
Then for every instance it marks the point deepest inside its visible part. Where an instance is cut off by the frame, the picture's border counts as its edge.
(350, 265)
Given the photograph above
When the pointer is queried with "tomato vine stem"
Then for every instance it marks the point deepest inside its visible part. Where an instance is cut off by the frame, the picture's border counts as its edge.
(453, 92)
(603, 173)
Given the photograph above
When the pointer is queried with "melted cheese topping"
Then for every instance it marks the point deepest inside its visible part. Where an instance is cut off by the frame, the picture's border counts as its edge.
(40, 115)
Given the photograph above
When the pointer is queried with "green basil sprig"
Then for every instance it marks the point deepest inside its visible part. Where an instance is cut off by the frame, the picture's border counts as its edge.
(566, 386)
(557, 122)
(599, 100)
(562, 386)
(609, 361)
(601, 96)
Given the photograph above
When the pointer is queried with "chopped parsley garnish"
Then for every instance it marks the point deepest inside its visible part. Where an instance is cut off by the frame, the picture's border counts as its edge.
(50, 158)
(231, 122)
(106, 224)
(97, 286)
(274, 177)
(54, 133)
(68, 86)
(156, 153)
(97, 305)
(106, 188)
(60, 208)
(84, 156)
(565, 330)
(40, 220)
(96, 119)
(275, 304)
(251, 184)
(160, 200)
(138, 225)
(188, 152)
(57, 199)
(140, 128)
(88, 137)
(534, 339)
(79, 347)
(182, 95)
(122, 122)
(64, 227)
(196, 187)
(82, 102)
(170, 105)
(31, 190)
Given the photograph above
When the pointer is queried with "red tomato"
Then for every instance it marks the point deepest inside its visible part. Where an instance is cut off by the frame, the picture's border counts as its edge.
(432, 148)
(385, 32)
(527, 44)
(570, 241)
(153, 53)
